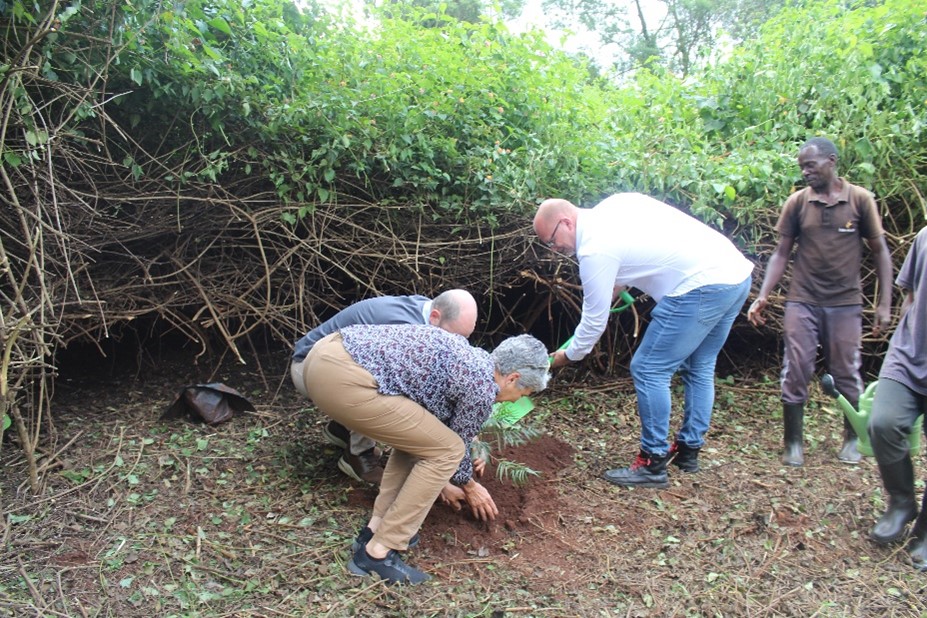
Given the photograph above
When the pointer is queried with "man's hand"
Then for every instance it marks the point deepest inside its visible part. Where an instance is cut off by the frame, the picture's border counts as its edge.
(559, 359)
(883, 320)
(452, 496)
(618, 289)
(479, 467)
(755, 312)
(481, 503)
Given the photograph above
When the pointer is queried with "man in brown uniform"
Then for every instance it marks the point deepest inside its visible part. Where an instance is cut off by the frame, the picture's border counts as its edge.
(828, 219)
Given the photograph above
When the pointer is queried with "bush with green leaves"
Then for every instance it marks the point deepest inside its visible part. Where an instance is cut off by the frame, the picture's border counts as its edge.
(475, 120)
(498, 433)
(464, 115)
(856, 72)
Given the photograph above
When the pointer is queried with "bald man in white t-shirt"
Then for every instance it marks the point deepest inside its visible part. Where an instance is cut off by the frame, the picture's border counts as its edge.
(699, 281)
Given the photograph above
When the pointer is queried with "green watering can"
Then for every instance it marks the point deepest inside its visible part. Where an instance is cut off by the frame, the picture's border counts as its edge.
(859, 419)
(510, 412)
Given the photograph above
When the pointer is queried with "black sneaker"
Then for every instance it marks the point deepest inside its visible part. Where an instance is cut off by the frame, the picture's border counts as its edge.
(364, 536)
(364, 467)
(391, 569)
(684, 457)
(337, 434)
(646, 471)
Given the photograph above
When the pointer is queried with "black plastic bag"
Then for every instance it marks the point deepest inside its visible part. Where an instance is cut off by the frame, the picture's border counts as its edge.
(212, 403)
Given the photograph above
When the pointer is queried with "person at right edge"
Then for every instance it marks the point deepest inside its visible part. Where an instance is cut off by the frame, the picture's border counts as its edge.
(828, 220)
(900, 397)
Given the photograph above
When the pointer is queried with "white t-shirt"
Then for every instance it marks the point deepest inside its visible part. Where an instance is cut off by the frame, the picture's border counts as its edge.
(633, 240)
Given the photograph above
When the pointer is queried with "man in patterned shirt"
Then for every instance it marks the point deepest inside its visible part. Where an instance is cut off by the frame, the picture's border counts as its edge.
(426, 393)
(454, 310)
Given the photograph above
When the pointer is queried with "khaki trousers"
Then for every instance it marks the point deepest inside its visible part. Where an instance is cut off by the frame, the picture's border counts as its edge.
(426, 452)
(358, 443)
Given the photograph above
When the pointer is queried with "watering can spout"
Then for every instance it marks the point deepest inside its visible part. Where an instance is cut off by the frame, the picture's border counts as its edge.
(859, 419)
(626, 301)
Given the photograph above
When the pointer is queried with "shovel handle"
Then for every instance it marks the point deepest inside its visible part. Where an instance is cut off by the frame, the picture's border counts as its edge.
(626, 301)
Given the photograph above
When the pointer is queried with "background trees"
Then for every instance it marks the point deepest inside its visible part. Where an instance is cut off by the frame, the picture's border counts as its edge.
(679, 35)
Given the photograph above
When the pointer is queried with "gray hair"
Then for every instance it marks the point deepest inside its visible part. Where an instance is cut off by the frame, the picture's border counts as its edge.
(528, 357)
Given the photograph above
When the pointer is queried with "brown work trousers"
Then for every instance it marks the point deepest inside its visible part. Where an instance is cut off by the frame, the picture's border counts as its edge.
(839, 331)
(425, 454)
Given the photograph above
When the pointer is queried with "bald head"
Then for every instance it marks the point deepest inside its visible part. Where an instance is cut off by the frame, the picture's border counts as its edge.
(454, 311)
(555, 224)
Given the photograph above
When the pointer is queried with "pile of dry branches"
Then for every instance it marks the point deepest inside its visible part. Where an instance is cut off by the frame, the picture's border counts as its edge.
(82, 260)
(97, 233)
(87, 247)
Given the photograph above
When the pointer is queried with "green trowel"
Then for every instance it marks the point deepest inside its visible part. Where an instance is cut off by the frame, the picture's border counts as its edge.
(510, 412)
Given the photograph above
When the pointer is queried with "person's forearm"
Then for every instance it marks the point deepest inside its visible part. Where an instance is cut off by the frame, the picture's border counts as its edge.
(774, 271)
(884, 277)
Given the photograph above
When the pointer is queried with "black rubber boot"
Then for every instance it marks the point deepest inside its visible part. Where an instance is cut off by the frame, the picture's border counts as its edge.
(684, 457)
(848, 452)
(898, 479)
(918, 547)
(646, 471)
(793, 417)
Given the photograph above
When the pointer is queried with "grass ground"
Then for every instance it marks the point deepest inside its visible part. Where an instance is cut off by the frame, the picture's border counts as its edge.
(139, 517)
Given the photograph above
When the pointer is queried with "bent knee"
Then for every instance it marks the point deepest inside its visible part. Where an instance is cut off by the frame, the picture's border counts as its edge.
(457, 452)
(451, 455)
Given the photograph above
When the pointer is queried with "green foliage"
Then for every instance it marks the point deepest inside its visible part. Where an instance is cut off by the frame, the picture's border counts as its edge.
(505, 434)
(466, 116)
(475, 121)
(679, 35)
(516, 472)
(463, 10)
(857, 74)
(500, 433)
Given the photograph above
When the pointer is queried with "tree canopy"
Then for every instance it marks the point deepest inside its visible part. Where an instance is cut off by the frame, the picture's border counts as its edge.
(678, 35)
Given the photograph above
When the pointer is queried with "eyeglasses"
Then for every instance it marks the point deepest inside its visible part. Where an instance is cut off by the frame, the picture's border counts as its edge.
(550, 243)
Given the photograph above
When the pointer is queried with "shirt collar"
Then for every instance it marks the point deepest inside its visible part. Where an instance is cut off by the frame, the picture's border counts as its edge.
(426, 311)
(843, 196)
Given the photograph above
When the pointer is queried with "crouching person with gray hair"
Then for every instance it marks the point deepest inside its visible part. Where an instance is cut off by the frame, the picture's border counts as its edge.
(426, 393)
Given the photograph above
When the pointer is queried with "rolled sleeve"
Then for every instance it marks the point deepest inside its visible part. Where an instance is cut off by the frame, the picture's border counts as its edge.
(598, 273)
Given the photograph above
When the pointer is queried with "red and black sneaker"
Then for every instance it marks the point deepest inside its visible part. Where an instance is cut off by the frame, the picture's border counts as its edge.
(647, 471)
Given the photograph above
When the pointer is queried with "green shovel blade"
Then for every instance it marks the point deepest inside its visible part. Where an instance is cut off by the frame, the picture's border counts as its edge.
(510, 412)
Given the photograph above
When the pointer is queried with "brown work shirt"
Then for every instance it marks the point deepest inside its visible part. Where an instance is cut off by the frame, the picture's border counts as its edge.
(826, 269)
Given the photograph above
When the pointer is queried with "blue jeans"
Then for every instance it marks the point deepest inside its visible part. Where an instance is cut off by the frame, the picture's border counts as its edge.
(685, 334)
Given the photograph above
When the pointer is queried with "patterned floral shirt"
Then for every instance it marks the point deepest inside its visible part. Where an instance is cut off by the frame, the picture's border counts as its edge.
(438, 370)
